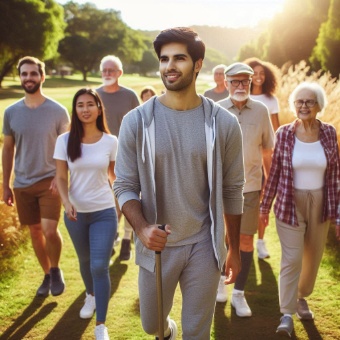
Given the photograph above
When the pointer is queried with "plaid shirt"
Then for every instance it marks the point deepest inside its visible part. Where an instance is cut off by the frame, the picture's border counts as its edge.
(280, 180)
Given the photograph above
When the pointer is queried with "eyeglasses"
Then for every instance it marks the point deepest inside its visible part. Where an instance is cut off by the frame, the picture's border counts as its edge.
(236, 83)
(109, 70)
(309, 103)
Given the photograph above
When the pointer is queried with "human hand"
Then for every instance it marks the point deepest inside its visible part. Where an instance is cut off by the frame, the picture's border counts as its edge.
(154, 238)
(232, 266)
(70, 212)
(264, 219)
(8, 197)
(53, 187)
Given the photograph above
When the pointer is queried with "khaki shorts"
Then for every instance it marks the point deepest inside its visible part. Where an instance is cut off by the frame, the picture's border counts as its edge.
(36, 202)
(250, 216)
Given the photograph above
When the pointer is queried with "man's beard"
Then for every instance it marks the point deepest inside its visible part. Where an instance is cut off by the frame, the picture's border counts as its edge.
(240, 97)
(178, 86)
(109, 81)
(31, 90)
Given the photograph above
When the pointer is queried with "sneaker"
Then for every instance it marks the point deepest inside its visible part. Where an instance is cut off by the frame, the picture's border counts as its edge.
(101, 332)
(117, 240)
(115, 244)
(286, 326)
(125, 250)
(44, 289)
(303, 311)
(173, 331)
(222, 293)
(57, 281)
(89, 307)
(262, 251)
(239, 302)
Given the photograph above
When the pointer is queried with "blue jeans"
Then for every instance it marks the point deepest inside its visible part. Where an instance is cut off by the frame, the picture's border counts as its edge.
(92, 236)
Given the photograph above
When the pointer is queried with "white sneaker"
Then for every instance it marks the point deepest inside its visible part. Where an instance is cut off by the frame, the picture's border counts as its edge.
(239, 302)
(222, 292)
(173, 328)
(101, 332)
(262, 251)
(89, 307)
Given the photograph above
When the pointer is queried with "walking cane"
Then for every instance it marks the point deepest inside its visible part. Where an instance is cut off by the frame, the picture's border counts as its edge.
(159, 292)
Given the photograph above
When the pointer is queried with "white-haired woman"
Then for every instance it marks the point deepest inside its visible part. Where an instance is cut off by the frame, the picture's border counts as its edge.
(304, 178)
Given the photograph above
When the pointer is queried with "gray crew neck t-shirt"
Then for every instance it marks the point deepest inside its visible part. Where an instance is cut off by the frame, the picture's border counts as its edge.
(117, 105)
(182, 189)
(35, 132)
(216, 96)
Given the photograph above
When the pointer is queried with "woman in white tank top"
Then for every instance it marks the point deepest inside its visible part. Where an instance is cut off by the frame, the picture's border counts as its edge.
(304, 177)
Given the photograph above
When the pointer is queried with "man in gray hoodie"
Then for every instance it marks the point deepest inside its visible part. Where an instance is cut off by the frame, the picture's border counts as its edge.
(180, 163)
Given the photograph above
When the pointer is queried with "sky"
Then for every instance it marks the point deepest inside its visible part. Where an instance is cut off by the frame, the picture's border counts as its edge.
(161, 14)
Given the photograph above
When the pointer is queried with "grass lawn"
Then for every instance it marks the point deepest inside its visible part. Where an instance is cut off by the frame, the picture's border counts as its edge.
(23, 316)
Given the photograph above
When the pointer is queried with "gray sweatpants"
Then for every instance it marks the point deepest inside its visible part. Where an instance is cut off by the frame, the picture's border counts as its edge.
(194, 267)
(302, 249)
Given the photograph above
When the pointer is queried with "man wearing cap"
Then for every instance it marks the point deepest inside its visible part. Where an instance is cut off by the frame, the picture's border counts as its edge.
(258, 142)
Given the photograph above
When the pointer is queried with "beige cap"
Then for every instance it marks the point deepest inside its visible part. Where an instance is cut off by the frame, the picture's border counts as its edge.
(238, 68)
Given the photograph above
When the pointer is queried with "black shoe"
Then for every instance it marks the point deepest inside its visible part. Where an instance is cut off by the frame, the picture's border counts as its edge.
(44, 289)
(57, 281)
(125, 250)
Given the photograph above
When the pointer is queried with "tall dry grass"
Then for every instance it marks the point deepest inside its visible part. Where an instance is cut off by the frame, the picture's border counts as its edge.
(296, 74)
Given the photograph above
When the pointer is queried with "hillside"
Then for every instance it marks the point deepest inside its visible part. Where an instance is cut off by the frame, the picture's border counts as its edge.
(228, 41)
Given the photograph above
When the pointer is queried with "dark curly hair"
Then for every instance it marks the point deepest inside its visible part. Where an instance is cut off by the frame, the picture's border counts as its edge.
(271, 75)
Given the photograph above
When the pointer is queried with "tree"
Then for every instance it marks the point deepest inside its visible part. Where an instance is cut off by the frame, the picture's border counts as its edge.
(327, 49)
(28, 27)
(290, 36)
(148, 64)
(92, 33)
(212, 58)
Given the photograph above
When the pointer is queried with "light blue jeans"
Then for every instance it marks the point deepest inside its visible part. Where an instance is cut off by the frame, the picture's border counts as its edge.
(92, 236)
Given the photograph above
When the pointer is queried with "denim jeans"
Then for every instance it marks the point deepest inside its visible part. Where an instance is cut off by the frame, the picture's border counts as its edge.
(92, 236)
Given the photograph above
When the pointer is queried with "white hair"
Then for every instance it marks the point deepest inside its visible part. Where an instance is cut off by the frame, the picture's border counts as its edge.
(112, 58)
(222, 66)
(317, 90)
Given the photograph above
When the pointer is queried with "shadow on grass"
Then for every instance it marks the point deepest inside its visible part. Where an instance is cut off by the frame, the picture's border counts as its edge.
(70, 321)
(14, 92)
(55, 82)
(25, 322)
(262, 300)
(332, 252)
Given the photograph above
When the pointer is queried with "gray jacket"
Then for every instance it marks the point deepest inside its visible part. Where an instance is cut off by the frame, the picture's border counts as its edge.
(135, 167)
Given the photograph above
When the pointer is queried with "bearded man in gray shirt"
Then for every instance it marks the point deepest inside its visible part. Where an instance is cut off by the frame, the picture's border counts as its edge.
(180, 163)
(118, 101)
(31, 127)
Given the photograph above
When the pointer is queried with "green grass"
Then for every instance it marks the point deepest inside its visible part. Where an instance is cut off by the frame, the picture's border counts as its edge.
(23, 316)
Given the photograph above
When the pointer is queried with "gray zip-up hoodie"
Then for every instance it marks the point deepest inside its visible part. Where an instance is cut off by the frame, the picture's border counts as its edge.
(135, 168)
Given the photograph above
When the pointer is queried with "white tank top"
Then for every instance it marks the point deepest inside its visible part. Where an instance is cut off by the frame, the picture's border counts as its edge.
(309, 165)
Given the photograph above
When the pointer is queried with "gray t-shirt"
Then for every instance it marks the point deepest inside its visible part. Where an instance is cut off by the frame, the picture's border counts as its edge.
(35, 132)
(216, 96)
(182, 189)
(117, 105)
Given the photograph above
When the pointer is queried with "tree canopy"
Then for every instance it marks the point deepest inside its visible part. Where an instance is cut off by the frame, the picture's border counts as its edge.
(92, 33)
(327, 49)
(28, 27)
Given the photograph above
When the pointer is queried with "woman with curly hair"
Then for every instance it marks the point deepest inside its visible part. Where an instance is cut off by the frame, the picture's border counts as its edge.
(264, 86)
